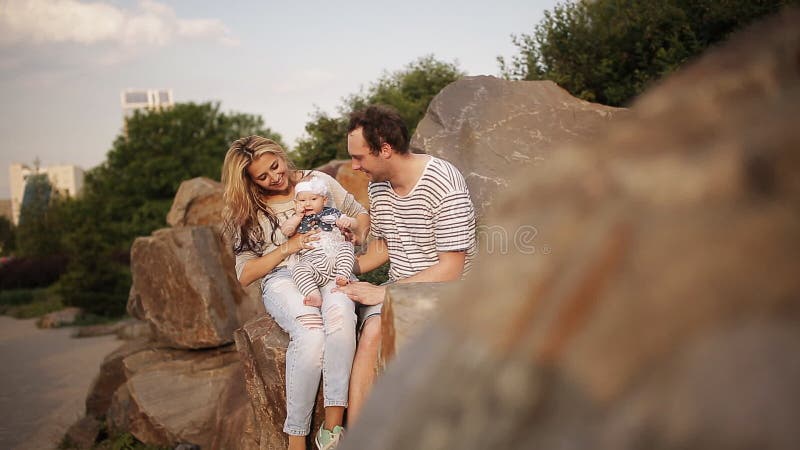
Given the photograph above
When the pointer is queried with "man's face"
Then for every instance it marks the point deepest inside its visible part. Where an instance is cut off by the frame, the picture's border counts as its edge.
(374, 166)
(310, 202)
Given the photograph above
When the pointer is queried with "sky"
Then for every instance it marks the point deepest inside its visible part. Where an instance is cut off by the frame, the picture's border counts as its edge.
(64, 63)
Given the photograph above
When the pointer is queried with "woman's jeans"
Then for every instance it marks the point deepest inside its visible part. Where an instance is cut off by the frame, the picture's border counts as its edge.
(322, 341)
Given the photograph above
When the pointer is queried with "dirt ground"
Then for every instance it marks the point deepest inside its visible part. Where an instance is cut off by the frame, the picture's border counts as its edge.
(44, 378)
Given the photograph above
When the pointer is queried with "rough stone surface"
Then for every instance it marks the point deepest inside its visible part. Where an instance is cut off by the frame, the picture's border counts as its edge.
(174, 396)
(59, 318)
(83, 433)
(354, 182)
(490, 128)
(332, 167)
(134, 329)
(408, 307)
(111, 377)
(235, 421)
(665, 314)
(185, 287)
(197, 202)
(262, 348)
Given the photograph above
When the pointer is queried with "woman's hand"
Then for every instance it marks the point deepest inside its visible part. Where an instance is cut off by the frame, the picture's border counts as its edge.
(301, 241)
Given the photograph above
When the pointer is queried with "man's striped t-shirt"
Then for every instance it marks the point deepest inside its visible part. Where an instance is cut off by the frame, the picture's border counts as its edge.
(436, 216)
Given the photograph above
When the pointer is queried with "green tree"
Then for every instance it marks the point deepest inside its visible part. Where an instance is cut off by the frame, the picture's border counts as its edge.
(609, 51)
(409, 90)
(38, 230)
(130, 194)
(7, 238)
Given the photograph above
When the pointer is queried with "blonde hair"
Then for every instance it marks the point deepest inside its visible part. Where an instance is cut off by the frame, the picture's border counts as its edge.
(243, 198)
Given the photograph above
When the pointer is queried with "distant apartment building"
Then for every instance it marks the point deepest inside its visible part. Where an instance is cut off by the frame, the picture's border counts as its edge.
(135, 99)
(67, 180)
(5, 209)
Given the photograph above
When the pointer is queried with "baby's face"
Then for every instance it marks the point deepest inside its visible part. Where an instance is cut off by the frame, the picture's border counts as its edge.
(310, 202)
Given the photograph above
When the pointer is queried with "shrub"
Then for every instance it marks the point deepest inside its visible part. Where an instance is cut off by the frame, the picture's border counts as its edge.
(32, 272)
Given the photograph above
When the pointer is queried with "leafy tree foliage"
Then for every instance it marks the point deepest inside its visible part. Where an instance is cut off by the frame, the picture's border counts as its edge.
(7, 237)
(38, 230)
(609, 51)
(130, 194)
(409, 90)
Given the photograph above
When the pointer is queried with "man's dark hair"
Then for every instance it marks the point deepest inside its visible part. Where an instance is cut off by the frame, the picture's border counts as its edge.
(381, 124)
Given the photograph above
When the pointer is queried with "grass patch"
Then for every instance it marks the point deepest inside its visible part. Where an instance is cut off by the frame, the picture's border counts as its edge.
(124, 441)
(377, 276)
(29, 303)
(15, 297)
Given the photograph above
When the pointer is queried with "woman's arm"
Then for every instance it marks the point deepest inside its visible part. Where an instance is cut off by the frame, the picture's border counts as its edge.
(260, 266)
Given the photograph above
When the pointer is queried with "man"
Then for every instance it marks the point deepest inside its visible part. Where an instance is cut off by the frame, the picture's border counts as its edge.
(421, 220)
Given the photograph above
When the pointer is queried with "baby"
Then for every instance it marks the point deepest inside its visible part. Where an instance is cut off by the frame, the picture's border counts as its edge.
(332, 255)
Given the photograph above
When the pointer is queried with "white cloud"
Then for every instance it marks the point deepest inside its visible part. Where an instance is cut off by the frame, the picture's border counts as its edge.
(74, 21)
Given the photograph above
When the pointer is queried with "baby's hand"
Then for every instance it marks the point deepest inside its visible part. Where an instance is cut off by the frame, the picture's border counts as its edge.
(298, 209)
(345, 222)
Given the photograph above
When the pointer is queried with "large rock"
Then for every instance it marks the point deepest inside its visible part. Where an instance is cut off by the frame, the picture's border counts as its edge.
(407, 309)
(354, 182)
(262, 347)
(59, 318)
(173, 396)
(184, 286)
(489, 128)
(665, 315)
(197, 202)
(111, 377)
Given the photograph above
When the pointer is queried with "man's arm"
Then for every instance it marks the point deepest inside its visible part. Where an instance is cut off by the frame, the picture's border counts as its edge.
(377, 254)
(449, 268)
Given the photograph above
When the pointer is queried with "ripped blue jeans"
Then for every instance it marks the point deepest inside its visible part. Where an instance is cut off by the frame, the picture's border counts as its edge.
(322, 342)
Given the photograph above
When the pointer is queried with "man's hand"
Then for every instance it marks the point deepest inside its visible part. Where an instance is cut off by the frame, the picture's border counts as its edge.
(363, 292)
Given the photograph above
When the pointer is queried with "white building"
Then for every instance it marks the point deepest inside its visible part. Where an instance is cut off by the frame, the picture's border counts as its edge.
(66, 179)
(133, 99)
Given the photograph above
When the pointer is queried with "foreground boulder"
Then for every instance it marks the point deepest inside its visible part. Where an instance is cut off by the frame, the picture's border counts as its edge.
(489, 128)
(185, 287)
(666, 313)
(407, 309)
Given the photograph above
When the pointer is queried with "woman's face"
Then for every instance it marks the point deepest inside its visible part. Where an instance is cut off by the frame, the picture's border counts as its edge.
(269, 172)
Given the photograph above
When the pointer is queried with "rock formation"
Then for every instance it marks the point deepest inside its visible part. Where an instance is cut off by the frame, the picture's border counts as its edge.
(489, 128)
(197, 202)
(664, 314)
(185, 384)
(186, 287)
(353, 181)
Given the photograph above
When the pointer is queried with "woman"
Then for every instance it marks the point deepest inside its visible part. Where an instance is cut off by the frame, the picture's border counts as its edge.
(259, 184)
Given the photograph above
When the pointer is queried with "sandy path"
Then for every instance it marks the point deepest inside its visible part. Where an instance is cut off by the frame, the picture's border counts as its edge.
(44, 378)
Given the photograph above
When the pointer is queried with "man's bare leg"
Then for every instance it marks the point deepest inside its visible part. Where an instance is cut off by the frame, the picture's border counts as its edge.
(362, 376)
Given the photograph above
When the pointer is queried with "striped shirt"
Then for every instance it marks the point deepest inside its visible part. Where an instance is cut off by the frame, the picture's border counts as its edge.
(436, 216)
